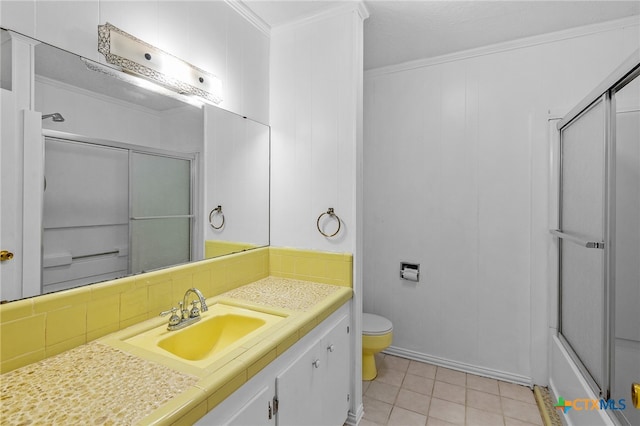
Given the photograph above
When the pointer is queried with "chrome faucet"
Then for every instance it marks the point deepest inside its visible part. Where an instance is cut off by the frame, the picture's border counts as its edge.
(194, 312)
(187, 316)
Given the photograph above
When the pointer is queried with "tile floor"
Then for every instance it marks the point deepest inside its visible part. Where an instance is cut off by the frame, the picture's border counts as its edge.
(407, 393)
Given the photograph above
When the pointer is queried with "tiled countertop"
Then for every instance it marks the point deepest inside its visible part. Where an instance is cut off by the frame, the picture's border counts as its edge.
(91, 384)
(295, 295)
(102, 383)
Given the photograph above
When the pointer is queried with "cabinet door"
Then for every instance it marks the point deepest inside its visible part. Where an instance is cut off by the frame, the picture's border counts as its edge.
(298, 389)
(258, 411)
(334, 399)
(313, 389)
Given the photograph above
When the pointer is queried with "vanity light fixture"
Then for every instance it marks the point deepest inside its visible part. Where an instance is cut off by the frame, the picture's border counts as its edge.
(139, 58)
(141, 82)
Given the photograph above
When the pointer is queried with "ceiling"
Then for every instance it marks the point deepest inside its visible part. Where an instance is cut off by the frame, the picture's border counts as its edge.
(401, 31)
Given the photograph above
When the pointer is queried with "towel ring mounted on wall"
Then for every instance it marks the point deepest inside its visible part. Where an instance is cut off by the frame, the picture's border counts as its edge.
(332, 214)
(217, 210)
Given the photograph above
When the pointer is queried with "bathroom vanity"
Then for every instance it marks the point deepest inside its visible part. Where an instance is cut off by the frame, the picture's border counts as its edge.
(298, 368)
(308, 384)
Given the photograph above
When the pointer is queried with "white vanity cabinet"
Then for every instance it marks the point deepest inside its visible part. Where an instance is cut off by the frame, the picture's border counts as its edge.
(307, 385)
(314, 389)
(257, 411)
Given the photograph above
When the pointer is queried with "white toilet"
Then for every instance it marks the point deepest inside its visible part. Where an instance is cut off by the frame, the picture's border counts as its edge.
(377, 334)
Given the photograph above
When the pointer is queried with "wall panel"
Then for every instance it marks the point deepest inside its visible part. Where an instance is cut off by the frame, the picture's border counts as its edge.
(456, 161)
(313, 118)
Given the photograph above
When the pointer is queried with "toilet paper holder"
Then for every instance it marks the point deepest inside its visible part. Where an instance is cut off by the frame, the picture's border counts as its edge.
(410, 271)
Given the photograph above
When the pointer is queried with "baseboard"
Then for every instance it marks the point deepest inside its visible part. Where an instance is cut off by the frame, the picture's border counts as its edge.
(461, 366)
(354, 418)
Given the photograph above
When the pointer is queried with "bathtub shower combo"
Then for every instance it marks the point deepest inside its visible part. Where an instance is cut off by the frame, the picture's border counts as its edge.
(595, 347)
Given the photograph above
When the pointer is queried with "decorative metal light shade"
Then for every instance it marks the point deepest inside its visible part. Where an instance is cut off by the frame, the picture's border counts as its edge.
(139, 58)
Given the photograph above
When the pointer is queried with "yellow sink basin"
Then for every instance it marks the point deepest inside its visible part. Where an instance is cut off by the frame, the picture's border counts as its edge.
(221, 331)
(208, 337)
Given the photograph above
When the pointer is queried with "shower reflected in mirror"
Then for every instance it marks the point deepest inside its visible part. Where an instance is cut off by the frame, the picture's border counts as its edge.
(56, 116)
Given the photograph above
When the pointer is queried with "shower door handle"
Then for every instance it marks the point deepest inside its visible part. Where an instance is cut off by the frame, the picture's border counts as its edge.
(577, 240)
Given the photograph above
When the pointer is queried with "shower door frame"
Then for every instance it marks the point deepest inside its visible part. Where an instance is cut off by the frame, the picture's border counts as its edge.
(192, 159)
(562, 356)
(605, 100)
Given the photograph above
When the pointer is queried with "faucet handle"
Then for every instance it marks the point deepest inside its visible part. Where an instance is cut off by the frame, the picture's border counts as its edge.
(170, 311)
(175, 318)
(195, 312)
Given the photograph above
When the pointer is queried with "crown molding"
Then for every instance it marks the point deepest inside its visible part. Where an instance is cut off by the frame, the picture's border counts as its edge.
(509, 45)
(250, 16)
(347, 7)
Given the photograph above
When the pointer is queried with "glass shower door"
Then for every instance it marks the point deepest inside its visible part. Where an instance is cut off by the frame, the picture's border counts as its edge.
(626, 307)
(582, 232)
(599, 250)
(161, 211)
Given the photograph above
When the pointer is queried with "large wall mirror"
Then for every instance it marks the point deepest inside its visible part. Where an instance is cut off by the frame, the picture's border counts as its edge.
(135, 177)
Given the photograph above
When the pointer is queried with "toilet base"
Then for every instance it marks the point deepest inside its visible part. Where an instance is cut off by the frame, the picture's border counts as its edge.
(369, 370)
(371, 345)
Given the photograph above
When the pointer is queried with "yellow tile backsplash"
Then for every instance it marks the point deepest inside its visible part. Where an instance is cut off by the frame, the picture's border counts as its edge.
(36, 328)
(103, 312)
(214, 248)
(323, 267)
(29, 332)
(16, 310)
(65, 324)
(133, 303)
(53, 301)
(160, 296)
(58, 348)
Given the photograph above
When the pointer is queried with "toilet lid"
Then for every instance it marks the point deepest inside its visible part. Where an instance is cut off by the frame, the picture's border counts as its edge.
(375, 325)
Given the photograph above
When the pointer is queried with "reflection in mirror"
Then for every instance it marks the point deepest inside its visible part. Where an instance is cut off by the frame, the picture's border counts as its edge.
(237, 183)
(131, 174)
(85, 214)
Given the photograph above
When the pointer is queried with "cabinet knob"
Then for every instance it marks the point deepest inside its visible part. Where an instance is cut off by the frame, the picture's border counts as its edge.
(330, 348)
(316, 363)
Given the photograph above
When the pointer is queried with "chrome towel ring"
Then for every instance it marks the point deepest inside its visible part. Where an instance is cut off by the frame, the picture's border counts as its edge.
(331, 213)
(217, 210)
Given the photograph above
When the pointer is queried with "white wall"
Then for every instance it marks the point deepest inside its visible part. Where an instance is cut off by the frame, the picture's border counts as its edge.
(208, 34)
(313, 133)
(316, 145)
(456, 167)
